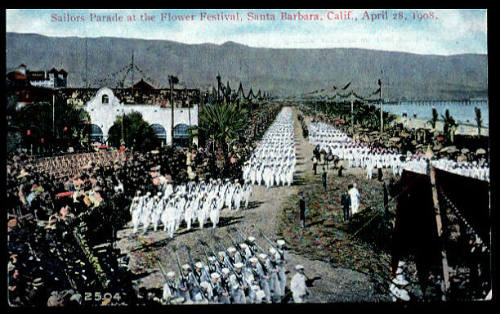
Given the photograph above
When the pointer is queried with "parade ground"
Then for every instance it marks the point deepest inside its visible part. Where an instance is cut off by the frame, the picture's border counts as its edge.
(332, 284)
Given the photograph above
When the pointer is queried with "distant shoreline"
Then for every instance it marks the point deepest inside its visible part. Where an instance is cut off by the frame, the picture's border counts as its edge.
(462, 129)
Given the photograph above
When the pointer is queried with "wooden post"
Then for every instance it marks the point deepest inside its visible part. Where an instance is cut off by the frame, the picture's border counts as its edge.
(445, 283)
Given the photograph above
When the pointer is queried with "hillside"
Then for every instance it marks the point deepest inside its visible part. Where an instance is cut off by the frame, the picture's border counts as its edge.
(280, 71)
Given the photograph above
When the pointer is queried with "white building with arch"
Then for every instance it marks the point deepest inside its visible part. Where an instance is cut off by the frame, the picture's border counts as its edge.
(105, 107)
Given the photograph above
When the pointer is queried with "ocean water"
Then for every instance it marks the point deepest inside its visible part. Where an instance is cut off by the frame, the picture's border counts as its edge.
(462, 112)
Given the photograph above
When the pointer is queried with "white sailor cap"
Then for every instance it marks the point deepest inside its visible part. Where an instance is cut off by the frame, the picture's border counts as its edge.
(178, 300)
(220, 253)
(251, 239)
(299, 267)
(155, 197)
(253, 259)
(198, 265)
(215, 276)
(211, 259)
(225, 271)
(262, 256)
(260, 294)
(170, 274)
(243, 245)
(186, 266)
(204, 285)
(148, 193)
(239, 265)
(272, 250)
(280, 242)
(159, 193)
(231, 249)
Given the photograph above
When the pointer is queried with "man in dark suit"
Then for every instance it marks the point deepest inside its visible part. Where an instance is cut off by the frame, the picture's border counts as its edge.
(346, 203)
(323, 178)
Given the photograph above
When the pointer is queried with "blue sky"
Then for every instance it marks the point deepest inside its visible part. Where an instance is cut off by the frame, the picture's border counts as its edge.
(453, 32)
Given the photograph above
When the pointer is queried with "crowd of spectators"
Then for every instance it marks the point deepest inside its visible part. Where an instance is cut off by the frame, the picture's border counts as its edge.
(61, 209)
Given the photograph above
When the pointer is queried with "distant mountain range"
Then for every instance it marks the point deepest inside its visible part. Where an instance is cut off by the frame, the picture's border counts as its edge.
(283, 72)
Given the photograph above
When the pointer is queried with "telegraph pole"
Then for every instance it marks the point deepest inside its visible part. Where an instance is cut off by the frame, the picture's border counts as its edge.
(172, 80)
(132, 68)
(381, 112)
(53, 114)
(352, 114)
(122, 141)
(86, 63)
(171, 110)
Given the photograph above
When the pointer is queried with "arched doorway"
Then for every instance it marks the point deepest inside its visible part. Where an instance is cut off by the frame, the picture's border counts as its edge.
(96, 134)
(160, 132)
(181, 135)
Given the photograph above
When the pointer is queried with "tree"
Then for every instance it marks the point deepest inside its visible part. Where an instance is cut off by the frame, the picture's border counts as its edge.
(68, 129)
(222, 124)
(479, 121)
(434, 119)
(137, 133)
(450, 126)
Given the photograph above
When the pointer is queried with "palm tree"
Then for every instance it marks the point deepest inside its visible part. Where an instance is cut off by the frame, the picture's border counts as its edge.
(222, 124)
(479, 121)
(450, 126)
(434, 119)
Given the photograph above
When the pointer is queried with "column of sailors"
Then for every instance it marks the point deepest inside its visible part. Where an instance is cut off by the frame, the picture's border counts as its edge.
(273, 162)
(241, 274)
(360, 154)
(189, 202)
(464, 168)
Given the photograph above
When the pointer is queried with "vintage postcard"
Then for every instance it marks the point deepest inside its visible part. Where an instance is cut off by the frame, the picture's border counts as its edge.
(247, 156)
